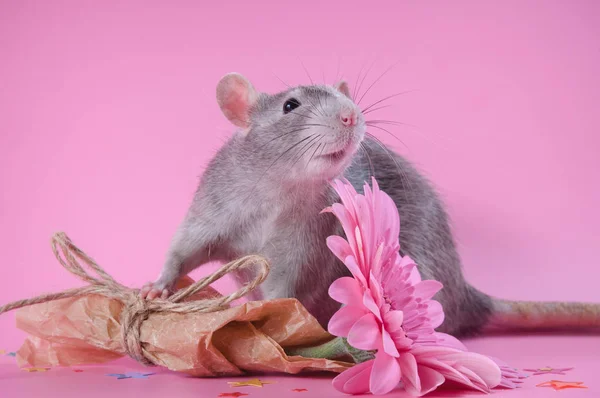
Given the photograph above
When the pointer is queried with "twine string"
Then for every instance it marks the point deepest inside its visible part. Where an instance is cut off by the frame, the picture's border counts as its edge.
(135, 309)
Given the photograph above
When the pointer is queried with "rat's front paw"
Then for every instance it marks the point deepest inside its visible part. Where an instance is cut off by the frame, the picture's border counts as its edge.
(152, 290)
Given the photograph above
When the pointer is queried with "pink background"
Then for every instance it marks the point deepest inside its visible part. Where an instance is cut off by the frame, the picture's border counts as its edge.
(108, 116)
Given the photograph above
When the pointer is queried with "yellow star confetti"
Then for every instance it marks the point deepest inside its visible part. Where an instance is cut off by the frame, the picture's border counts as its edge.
(32, 370)
(249, 383)
(2, 352)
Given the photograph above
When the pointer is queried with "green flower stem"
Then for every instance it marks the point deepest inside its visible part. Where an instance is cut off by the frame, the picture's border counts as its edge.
(332, 349)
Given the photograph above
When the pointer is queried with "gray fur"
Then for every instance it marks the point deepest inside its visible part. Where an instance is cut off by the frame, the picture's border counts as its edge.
(259, 196)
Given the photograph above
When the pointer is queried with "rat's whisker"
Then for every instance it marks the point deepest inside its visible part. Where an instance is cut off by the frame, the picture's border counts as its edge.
(386, 98)
(357, 80)
(313, 155)
(314, 107)
(337, 72)
(321, 152)
(281, 80)
(295, 113)
(389, 132)
(288, 133)
(403, 176)
(275, 161)
(307, 74)
(392, 122)
(376, 80)
(316, 125)
(376, 109)
(363, 79)
(308, 145)
(320, 104)
(412, 128)
(366, 152)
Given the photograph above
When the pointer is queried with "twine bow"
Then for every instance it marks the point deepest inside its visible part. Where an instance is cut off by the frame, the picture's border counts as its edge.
(136, 310)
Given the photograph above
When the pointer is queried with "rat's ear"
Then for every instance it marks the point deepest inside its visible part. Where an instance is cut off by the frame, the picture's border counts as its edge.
(236, 95)
(342, 87)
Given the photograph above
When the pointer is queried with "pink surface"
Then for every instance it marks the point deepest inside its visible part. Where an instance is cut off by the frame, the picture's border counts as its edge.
(107, 117)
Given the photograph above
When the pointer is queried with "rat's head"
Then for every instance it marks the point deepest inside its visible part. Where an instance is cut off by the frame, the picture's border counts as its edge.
(305, 132)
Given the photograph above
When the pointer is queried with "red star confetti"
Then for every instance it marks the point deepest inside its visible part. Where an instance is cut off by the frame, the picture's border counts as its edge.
(232, 394)
(77, 370)
(562, 385)
(299, 390)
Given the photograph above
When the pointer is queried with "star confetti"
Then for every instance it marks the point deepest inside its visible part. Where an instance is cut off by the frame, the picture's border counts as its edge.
(548, 370)
(2, 352)
(248, 383)
(299, 390)
(562, 385)
(77, 370)
(34, 370)
(232, 394)
(130, 375)
(12, 354)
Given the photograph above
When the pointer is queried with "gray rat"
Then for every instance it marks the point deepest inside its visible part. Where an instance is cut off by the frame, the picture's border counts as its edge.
(264, 190)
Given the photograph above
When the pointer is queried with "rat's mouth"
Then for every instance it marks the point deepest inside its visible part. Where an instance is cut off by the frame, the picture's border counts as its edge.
(336, 156)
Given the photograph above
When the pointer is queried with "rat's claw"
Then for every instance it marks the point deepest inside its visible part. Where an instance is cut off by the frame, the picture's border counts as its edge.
(150, 291)
(145, 290)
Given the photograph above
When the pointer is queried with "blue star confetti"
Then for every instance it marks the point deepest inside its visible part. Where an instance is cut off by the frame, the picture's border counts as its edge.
(130, 375)
(11, 354)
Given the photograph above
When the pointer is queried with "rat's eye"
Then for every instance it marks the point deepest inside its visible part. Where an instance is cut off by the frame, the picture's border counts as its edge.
(290, 105)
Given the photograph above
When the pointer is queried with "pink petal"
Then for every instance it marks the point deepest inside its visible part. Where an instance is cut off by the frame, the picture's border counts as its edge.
(480, 364)
(401, 342)
(365, 334)
(408, 367)
(415, 276)
(393, 320)
(430, 380)
(385, 375)
(407, 267)
(369, 302)
(510, 378)
(351, 264)
(447, 340)
(342, 321)
(447, 371)
(346, 290)
(432, 351)
(367, 229)
(354, 380)
(389, 345)
(435, 312)
(339, 246)
(347, 221)
(427, 289)
(346, 192)
(376, 290)
(474, 377)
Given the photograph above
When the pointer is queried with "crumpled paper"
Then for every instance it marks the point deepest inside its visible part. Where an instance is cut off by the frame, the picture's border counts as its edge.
(250, 337)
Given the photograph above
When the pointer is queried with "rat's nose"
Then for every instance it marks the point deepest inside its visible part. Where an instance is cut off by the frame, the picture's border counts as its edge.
(348, 117)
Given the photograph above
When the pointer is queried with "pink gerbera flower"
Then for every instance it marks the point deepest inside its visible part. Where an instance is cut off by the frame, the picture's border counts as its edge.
(389, 309)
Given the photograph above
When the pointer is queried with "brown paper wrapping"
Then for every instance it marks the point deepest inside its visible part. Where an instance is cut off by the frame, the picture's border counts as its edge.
(250, 337)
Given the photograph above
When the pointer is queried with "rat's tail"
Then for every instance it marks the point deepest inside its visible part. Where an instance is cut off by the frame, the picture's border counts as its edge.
(532, 315)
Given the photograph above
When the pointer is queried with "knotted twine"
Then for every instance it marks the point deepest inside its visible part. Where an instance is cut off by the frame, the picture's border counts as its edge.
(136, 309)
